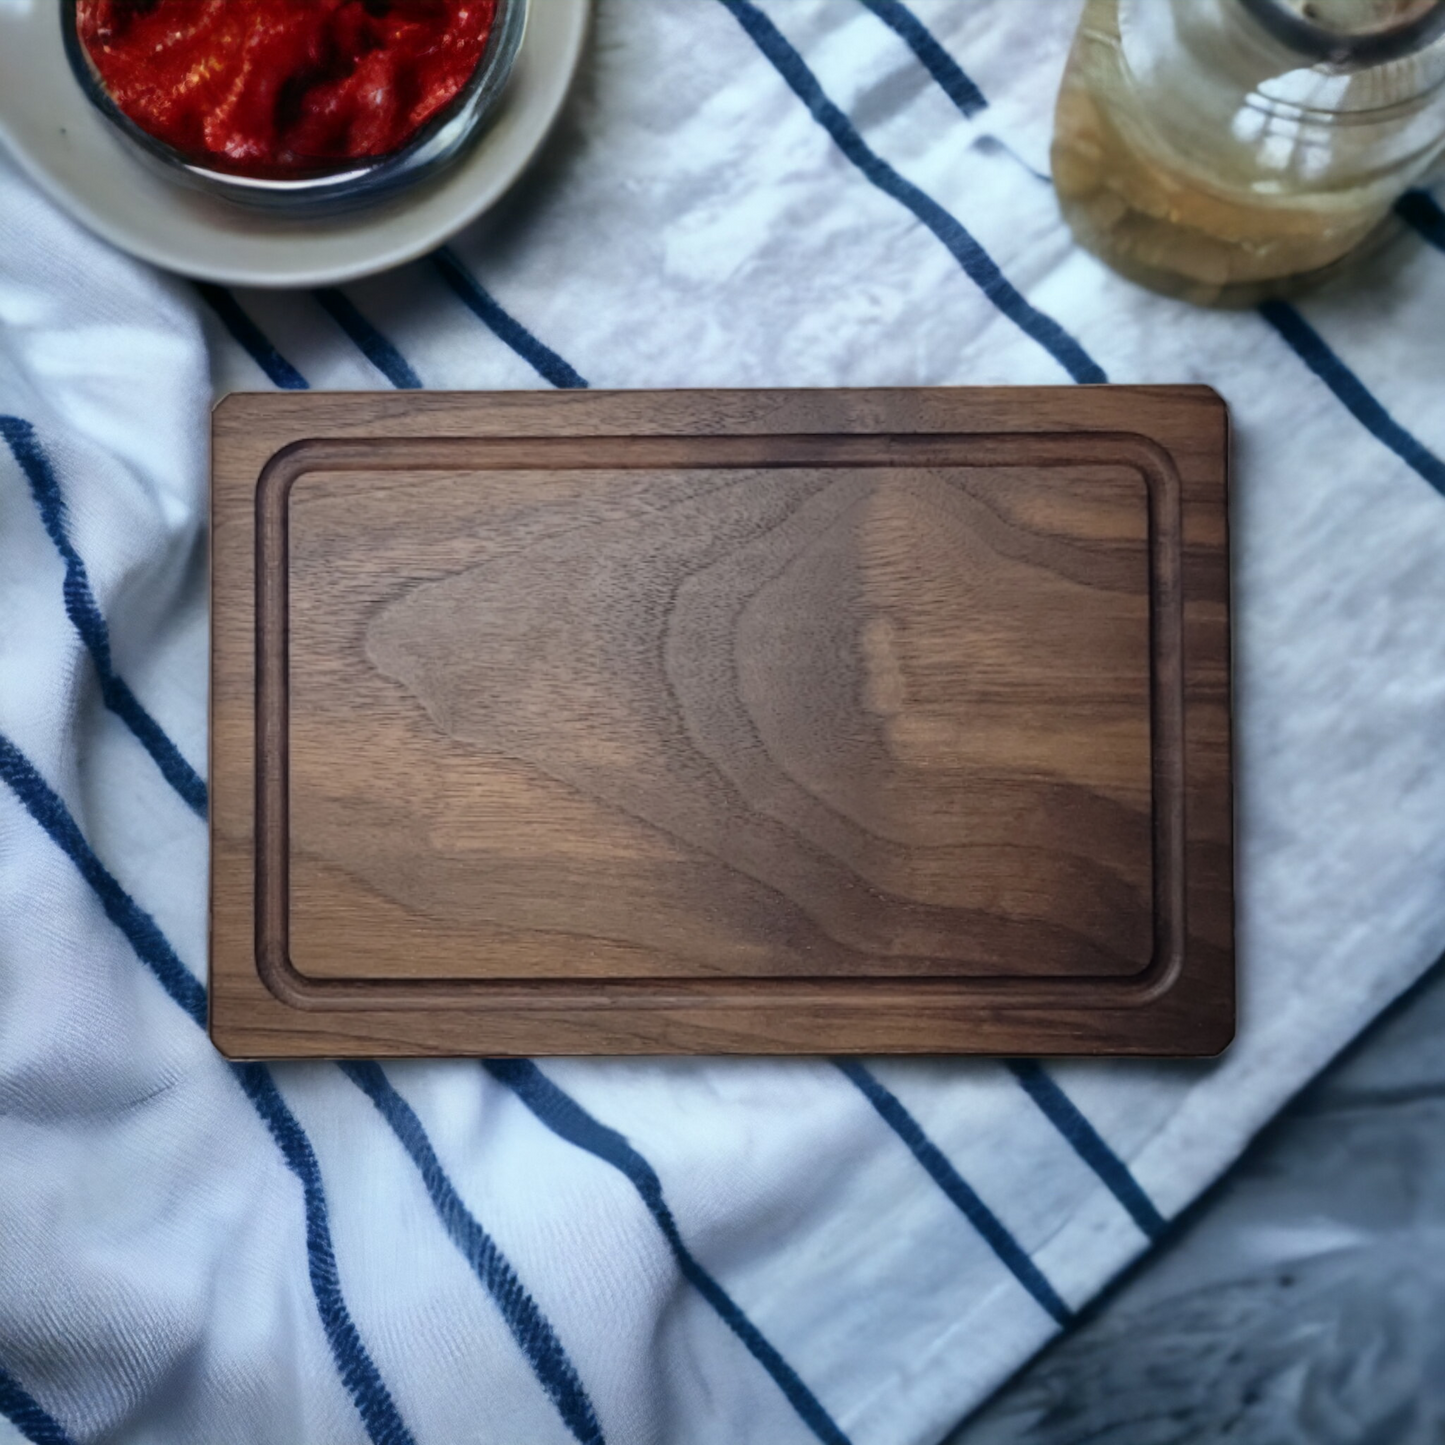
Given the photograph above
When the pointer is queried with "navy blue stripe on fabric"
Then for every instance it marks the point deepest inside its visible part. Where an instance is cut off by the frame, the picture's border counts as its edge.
(1088, 1144)
(936, 60)
(484, 306)
(45, 806)
(27, 1415)
(373, 1401)
(251, 338)
(358, 1371)
(977, 264)
(566, 1118)
(1315, 352)
(377, 349)
(85, 615)
(528, 1325)
(1422, 211)
(948, 1179)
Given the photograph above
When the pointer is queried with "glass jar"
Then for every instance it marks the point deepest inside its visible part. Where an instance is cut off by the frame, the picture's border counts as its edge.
(1226, 150)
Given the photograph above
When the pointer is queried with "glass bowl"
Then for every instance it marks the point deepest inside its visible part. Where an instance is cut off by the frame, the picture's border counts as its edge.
(351, 184)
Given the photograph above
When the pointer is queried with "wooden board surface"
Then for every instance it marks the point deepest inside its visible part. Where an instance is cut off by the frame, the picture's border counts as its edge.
(721, 721)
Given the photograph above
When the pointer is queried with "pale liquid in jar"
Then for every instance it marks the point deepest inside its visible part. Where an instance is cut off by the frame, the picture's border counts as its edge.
(1234, 196)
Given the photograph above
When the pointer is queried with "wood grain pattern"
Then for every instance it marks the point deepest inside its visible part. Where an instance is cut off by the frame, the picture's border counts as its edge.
(721, 721)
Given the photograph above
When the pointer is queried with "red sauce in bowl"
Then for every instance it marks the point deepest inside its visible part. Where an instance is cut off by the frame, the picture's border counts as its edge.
(283, 88)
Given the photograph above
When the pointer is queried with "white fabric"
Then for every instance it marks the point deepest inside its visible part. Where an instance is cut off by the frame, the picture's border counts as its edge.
(691, 225)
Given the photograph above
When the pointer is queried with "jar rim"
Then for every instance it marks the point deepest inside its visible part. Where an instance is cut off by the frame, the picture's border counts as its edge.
(1311, 37)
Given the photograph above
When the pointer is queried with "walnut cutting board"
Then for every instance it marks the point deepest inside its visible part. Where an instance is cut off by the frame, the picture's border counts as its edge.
(638, 722)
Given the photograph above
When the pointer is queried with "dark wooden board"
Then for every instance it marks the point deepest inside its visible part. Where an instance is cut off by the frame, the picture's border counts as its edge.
(721, 722)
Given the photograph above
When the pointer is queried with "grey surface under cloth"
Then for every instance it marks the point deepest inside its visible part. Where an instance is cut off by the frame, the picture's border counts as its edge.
(1303, 1299)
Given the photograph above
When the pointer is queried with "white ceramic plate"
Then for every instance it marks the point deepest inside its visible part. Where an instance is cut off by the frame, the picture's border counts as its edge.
(79, 159)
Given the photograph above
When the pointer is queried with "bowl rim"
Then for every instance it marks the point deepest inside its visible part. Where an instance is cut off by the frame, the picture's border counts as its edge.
(349, 182)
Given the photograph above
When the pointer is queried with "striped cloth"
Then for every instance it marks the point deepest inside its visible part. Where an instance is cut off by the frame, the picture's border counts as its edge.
(806, 192)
